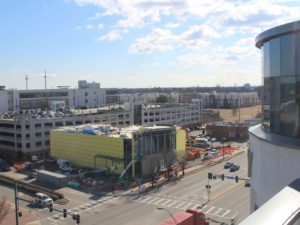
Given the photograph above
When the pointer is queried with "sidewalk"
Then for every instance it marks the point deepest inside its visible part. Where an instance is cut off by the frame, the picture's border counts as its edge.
(27, 218)
(188, 171)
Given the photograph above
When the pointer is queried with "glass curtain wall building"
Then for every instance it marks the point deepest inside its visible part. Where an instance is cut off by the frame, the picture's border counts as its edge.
(274, 153)
(281, 78)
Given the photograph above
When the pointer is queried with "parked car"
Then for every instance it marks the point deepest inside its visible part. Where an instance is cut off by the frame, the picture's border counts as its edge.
(50, 160)
(209, 155)
(234, 168)
(247, 183)
(227, 165)
(43, 199)
(4, 168)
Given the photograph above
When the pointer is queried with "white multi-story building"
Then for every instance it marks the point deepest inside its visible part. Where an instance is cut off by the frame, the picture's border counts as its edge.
(175, 114)
(27, 134)
(140, 98)
(87, 95)
(219, 100)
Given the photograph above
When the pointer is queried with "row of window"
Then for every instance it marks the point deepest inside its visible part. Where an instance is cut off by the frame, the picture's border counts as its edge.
(44, 94)
(19, 145)
(163, 113)
(168, 119)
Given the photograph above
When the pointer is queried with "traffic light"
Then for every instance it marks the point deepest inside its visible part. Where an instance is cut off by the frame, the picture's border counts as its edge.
(78, 219)
(236, 179)
(50, 207)
(65, 213)
(222, 176)
(210, 176)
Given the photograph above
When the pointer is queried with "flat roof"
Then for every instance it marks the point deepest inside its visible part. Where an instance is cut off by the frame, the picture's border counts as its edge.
(275, 32)
(58, 175)
(107, 130)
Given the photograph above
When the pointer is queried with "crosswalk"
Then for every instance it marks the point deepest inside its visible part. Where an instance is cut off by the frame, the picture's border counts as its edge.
(211, 211)
(59, 219)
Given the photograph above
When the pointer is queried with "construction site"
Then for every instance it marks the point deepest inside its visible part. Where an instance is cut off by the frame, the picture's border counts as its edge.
(132, 151)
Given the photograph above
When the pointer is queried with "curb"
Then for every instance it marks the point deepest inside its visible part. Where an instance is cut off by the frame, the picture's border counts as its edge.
(226, 192)
(186, 174)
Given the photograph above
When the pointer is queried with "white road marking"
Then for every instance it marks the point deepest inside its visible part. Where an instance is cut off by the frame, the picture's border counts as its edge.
(166, 202)
(224, 214)
(218, 210)
(144, 199)
(212, 207)
(178, 206)
(187, 205)
(172, 203)
(153, 200)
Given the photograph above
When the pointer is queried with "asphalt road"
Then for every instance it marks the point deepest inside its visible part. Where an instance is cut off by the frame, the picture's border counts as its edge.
(227, 200)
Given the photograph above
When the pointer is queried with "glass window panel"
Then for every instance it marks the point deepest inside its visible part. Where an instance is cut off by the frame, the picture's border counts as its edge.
(274, 93)
(287, 55)
(266, 59)
(287, 107)
(297, 53)
(275, 57)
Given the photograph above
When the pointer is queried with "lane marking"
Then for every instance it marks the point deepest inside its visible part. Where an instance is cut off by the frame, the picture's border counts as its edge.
(166, 202)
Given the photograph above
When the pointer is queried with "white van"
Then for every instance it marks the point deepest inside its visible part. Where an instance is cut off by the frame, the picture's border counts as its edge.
(43, 199)
(64, 165)
(201, 142)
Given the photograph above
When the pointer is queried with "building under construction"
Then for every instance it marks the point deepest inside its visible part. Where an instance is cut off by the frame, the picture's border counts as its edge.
(133, 151)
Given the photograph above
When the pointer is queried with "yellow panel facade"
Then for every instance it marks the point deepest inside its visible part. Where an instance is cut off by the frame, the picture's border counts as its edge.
(80, 149)
(180, 143)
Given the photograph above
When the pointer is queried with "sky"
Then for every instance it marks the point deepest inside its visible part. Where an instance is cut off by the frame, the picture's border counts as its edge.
(136, 43)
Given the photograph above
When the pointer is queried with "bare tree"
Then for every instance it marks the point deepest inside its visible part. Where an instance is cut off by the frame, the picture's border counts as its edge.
(154, 169)
(4, 209)
(181, 160)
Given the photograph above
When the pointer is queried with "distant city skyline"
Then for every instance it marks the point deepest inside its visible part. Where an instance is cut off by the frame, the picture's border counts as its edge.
(136, 44)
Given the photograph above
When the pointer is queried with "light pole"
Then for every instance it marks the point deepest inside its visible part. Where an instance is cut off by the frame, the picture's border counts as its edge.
(16, 203)
(162, 208)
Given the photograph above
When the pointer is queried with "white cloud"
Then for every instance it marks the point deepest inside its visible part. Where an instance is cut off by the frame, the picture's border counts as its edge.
(110, 36)
(78, 27)
(89, 26)
(100, 26)
(172, 25)
(219, 14)
(158, 40)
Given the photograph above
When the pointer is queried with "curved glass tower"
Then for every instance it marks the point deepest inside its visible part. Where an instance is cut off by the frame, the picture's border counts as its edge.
(281, 77)
(274, 154)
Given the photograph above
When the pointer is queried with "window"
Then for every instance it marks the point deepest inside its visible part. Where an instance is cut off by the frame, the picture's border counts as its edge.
(47, 133)
(38, 125)
(287, 55)
(47, 142)
(27, 145)
(39, 134)
(48, 125)
(58, 124)
(38, 143)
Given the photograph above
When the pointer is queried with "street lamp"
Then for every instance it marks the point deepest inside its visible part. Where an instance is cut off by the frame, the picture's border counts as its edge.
(162, 208)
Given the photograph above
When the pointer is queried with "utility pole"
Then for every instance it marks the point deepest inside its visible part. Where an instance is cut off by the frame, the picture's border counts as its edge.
(45, 77)
(26, 79)
(16, 203)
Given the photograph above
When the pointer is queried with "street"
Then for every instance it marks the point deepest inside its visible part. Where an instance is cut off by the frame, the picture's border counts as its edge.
(228, 199)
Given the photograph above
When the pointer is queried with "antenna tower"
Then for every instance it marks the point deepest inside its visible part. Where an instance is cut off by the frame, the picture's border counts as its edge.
(45, 77)
(26, 79)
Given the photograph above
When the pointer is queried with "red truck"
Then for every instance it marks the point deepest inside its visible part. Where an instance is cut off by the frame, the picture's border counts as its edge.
(190, 217)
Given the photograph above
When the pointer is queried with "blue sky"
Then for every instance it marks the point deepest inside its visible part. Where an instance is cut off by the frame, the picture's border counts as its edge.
(136, 43)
